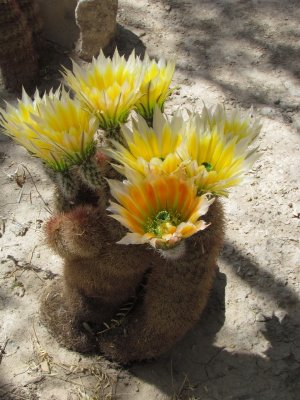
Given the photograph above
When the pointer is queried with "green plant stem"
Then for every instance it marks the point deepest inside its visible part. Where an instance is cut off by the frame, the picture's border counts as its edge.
(67, 183)
(90, 173)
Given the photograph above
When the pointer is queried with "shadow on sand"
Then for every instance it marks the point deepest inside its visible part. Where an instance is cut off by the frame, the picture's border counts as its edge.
(197, 367)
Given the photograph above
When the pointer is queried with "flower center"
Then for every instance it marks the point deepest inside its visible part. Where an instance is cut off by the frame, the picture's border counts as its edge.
(207, 166)
(162, 223)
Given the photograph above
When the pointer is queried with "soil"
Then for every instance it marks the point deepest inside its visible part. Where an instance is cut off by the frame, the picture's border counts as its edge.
(246, 346)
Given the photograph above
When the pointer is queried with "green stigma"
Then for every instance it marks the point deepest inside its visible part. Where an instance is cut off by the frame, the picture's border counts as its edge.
(163, 216)
(207, 166)
(159, 224)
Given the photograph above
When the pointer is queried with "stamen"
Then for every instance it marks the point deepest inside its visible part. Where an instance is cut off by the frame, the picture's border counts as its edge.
(207, 166)
(162, 222)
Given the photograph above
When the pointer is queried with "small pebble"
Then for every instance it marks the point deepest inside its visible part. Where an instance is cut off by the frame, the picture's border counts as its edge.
(280, 314)
(267, 111)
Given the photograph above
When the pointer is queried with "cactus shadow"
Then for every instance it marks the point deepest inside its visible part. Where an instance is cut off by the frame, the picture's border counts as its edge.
(199, 368)
(259, 277)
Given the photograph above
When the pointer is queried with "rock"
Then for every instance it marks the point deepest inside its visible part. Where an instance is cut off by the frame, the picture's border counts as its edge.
(281, 314)
(296, 210)
(21, 230)
(267, 111)
(97, 22)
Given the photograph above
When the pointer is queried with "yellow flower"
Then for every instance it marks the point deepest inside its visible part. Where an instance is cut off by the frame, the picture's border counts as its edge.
(23, 114)
(109, 88)
(161, 211)
(218, 161)
(150, 149)
(155, 86)
(231, 124)
(53, 128)
(19, 123)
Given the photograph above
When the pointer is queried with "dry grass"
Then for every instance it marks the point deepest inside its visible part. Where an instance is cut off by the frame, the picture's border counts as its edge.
(88, 380)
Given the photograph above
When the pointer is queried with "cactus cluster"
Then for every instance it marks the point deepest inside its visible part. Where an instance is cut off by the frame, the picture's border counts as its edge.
(166, 176)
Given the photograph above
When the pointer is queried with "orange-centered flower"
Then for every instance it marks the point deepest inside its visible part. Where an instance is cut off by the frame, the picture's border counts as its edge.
(161, 211)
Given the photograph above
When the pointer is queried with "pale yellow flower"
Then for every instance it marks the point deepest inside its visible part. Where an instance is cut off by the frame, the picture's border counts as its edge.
(215, 159)
(218, 161)
(53, 128)
(155, 87)
(150, 150)
(161, 211)
(19, 123)
(231, 123)
(108, 88)
(13, 118)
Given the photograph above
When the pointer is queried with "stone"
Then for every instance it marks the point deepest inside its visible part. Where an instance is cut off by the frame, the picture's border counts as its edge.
(280, 314)
(97, 22)
(296, 210)
(267, 111)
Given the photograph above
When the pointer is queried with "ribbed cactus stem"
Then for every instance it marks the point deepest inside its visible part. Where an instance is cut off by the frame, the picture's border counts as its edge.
(90, 173)
(67, 183)
(18, 58)
(31, 10)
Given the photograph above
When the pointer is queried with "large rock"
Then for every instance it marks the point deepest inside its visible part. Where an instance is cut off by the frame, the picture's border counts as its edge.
(97, 22)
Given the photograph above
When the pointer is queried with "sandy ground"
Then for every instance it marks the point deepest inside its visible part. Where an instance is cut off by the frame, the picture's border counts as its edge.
(247, 344)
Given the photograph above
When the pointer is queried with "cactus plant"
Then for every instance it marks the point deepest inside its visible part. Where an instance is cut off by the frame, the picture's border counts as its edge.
(18, 58)
(138, 268)
(31, 10)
